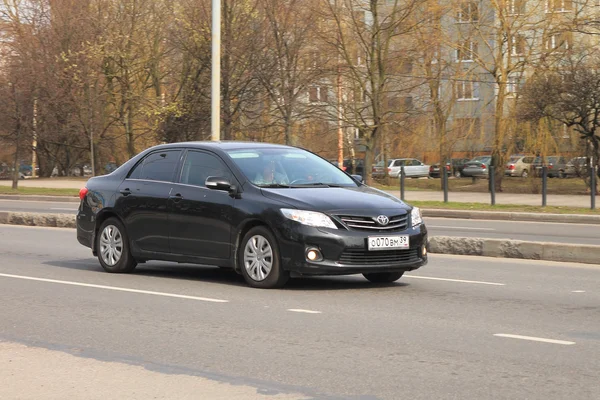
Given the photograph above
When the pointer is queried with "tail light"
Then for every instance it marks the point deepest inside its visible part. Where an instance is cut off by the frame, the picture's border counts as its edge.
(83, 192)
(550, 166)
(389, 170)
(344, 168)
(511, 166)
(483, 166)
(431, 168)
(447, 168)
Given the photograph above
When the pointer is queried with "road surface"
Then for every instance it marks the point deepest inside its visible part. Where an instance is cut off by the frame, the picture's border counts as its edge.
(459, 328)
(533, 231)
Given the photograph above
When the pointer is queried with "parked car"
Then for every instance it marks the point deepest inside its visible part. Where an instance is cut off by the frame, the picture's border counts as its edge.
(435, 171)
(556, 166)
(358, 169)
(413, 168)
(6, 172)
(477, 167)
(264, 210)
(577, 167)
(519, 166)
(458, 164)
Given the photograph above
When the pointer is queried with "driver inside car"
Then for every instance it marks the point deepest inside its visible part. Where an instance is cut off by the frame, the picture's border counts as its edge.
(269, 176)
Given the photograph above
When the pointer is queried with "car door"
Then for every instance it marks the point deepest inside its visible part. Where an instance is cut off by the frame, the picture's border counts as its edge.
(420, 168)
(395, 166)
(199, 217)
(143, 198)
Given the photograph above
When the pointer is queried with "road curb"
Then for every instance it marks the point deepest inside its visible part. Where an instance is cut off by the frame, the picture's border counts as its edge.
(504, 248)
(512, 216)
(61, 199)
(37, 219)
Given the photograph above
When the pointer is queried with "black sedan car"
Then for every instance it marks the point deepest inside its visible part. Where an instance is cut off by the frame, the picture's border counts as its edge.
(267, 211)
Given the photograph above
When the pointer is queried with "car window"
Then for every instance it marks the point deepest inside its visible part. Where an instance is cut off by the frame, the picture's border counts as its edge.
(284, 166)
(528, 160)
(199, 165)
(159, 166)
(416, 162)
(398, 163)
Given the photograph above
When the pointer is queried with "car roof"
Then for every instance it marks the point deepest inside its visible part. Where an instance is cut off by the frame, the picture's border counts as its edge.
(226, 145)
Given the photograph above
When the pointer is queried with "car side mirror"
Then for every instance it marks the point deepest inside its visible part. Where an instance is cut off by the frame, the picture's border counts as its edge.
(358, 178)
(220, 183)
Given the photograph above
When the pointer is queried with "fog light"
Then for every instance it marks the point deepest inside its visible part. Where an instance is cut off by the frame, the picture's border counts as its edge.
(313, 254)
(424, 251)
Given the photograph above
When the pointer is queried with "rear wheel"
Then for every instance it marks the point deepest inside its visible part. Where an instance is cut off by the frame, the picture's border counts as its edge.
(259, 260)
(458, 174)
(561, 174)
(384, 277)
(112, 246)
(524, 174)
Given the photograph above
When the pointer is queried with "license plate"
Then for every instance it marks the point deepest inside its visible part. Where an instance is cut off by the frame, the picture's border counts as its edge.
(387, 242)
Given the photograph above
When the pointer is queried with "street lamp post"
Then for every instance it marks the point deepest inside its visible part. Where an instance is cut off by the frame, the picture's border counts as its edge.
(216, 71)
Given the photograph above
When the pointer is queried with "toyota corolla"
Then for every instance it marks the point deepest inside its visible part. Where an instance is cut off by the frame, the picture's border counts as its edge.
(267, 211)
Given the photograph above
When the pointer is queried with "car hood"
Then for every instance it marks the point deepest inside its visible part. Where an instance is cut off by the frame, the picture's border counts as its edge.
(346, 199)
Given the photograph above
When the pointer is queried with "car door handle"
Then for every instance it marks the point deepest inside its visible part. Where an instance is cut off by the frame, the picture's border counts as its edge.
(125, 192)
(176, 198)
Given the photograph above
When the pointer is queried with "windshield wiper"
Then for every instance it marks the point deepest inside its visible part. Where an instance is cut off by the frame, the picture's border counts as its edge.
(274, 185)
(318, 184)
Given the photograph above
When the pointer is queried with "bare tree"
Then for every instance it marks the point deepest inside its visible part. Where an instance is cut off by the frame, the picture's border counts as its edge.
(570, 95)
(366, 35)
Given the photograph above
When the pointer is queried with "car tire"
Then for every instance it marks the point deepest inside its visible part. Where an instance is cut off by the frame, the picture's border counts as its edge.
(561, 174)
(383, 277)
(458, 174)
(259, 260)
(112, 246)
(524, 174)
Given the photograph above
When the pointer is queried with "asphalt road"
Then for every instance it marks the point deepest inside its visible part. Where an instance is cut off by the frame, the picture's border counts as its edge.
(534, 231)
(460, 328)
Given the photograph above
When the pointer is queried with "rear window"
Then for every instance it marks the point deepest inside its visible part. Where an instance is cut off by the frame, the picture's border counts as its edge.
(159, 166)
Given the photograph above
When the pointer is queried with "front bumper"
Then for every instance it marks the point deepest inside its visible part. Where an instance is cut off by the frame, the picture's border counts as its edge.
(345, 251)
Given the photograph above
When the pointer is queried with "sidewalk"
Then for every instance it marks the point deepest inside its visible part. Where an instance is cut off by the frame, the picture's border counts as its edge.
(559, 200)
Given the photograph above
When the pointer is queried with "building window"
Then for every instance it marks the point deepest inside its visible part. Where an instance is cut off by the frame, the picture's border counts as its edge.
(513, 86)
(559, 5)
(466, 51)
(466, 90)
(562, 40)
(516, 7)
(517, 45)
(468, 11)
(317, 94)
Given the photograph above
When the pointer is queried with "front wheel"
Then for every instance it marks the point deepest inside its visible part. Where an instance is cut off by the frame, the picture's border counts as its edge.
(112, 246)
(384, 277)
(259, 260)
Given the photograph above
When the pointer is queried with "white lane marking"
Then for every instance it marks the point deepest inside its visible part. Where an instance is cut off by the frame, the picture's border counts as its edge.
(534, 339)
(303, 311)
(578, 291)
(116, 288)
(65, 209)
(454, 280)
(466, 228)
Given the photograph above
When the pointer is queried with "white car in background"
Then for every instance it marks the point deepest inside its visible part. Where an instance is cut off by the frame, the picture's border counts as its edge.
(413, 168)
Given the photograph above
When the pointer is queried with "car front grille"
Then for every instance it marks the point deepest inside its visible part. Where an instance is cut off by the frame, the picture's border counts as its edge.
(380, 257)
(396, 223)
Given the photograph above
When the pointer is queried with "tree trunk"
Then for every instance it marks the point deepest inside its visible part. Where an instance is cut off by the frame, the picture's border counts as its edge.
(370, 148)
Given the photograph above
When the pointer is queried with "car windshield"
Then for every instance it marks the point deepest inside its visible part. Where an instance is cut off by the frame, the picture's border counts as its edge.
(288, 167)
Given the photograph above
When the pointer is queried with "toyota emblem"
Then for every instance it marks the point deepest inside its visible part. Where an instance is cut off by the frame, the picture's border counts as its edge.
(383, 220)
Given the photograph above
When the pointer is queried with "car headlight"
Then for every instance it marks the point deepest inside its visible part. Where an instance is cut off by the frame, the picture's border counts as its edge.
(415, 216)
(310, 218)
